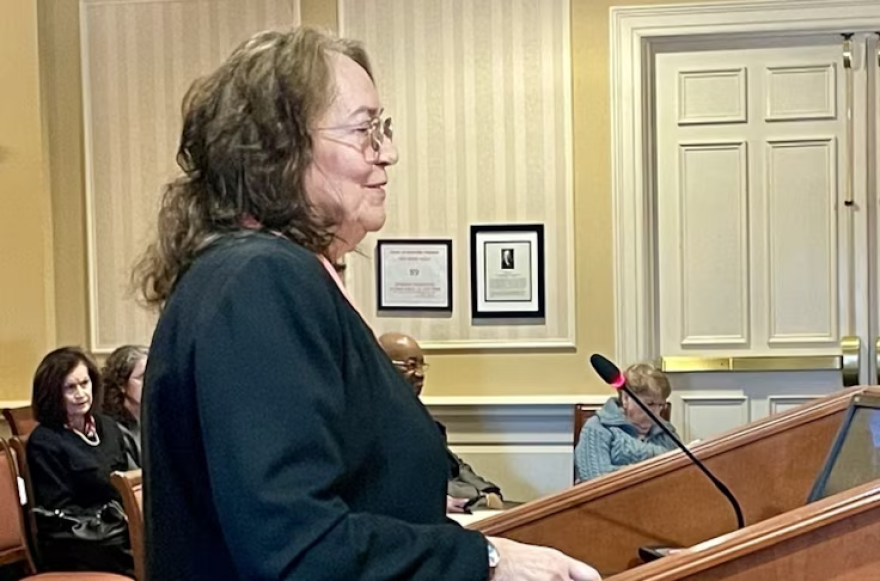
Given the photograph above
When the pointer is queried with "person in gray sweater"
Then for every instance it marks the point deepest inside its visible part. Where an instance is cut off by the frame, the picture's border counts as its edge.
(621, 433)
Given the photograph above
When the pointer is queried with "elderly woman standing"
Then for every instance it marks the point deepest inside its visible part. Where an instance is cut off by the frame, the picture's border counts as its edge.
(123, 376)
(621, 433)
(280, 441)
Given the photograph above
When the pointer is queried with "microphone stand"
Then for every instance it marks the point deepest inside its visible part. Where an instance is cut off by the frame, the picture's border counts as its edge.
(740, 521)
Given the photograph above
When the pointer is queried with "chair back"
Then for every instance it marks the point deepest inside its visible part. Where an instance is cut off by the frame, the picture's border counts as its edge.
(130, 487)
(19, 450)
(582, 413)
(21, 420)
(13, 538)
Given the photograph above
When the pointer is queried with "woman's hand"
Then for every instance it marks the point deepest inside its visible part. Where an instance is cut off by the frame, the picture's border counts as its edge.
(521, 562)
(455, 505)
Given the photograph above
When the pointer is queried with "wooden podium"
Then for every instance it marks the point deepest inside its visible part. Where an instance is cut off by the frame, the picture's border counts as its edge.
(835, 538)
(770, 466)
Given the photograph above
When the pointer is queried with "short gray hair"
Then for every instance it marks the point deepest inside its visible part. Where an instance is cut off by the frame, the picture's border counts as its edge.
(643, 378)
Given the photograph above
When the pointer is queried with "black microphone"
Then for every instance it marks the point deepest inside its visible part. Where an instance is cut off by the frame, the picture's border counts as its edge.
(611, 375)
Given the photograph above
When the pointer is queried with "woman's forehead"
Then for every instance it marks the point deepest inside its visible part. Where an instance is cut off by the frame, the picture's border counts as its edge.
(80, 369)
(355, 93)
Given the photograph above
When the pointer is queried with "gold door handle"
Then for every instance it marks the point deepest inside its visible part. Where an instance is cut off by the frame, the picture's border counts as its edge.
(688, 364)
(851, 349)
(848, 362)
(877, 358)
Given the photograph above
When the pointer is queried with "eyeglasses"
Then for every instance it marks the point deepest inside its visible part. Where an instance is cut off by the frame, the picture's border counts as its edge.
(411, 365)
(377, 128)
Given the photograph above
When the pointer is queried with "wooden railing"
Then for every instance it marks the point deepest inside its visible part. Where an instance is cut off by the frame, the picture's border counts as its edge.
(769, 465)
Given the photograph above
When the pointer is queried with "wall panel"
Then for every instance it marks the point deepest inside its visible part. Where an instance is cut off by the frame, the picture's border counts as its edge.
(480, 94)
(139, 58)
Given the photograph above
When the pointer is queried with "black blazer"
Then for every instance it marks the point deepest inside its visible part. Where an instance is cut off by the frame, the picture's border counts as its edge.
(67, 473)
(280, 442)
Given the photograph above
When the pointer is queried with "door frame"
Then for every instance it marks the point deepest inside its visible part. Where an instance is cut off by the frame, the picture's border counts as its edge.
(635, 33)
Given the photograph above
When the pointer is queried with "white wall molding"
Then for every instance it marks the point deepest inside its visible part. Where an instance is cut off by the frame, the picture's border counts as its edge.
(513, 402)
(14, 403)
(522, 420)
(525, 444)
(706, 415)
(782, 403)
(636, 33)
(488, 345)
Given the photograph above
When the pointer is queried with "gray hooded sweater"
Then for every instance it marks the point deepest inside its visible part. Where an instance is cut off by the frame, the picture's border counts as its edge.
(608, 442)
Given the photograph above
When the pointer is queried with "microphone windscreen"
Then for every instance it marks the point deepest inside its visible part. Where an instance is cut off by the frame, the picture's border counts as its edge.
(608, 371)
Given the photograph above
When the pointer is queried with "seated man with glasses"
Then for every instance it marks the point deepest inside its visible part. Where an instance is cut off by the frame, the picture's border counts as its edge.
(621, 433)
(465, 488)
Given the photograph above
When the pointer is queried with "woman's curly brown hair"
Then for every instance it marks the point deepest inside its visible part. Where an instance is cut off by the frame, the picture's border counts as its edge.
(117, 369)
(244, 150)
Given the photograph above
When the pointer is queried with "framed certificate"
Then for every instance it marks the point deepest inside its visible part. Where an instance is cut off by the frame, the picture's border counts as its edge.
(507, 271)
(414, 275)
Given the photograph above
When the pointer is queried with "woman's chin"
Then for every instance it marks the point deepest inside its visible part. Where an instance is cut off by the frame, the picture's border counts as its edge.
(79, 412)
(375, 223)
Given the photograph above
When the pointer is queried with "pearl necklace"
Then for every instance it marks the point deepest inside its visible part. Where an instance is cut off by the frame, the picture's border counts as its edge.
(90, 441)
(86, 439)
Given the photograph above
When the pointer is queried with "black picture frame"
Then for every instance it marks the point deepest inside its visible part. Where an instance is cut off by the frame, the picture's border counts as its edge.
(386, 304)
(518, 250)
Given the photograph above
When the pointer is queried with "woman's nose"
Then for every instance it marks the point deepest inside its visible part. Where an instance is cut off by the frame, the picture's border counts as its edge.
(388, 154)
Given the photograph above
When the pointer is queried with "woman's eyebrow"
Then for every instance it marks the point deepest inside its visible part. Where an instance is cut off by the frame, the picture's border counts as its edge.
(372, 111)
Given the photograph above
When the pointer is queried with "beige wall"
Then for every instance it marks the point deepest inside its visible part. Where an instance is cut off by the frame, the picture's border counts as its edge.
(27, 310)
(62, 99)
(569, 372)
(45, 297)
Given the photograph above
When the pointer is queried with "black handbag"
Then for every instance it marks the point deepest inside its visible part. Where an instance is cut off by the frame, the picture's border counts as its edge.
(106, 524)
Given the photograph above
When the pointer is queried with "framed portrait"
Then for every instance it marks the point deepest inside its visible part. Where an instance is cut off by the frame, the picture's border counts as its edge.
(414, 275)
(507, 271)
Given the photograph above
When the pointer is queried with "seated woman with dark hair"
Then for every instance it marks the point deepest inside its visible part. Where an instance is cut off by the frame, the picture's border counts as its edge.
(621, 433)
(71, 455)
(123, 376)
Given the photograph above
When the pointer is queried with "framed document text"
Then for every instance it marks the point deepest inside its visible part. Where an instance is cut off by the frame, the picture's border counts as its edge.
(414, 275)
(507, 271)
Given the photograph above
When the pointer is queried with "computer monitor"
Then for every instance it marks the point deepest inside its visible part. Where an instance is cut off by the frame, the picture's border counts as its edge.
(854, 458)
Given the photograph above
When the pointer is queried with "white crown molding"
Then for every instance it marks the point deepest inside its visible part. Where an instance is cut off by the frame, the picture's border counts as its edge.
(536, 401)
(633, 37)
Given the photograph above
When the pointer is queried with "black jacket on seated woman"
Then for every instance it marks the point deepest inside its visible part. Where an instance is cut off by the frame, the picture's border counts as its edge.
(71, 455)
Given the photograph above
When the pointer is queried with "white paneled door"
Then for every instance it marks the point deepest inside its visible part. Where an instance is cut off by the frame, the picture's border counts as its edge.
(760, 260)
